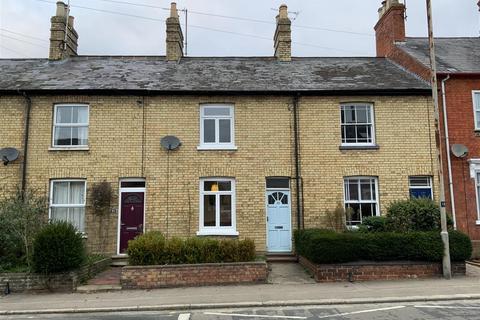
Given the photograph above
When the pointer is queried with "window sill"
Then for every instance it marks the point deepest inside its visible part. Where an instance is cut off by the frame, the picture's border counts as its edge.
(359, 147)
(217, 232)
(477, 222)
(217, 148)
(69, 149)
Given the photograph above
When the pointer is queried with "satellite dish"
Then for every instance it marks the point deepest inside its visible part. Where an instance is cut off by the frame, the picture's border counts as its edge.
(8, 155)
(170, 142)
(459, 150)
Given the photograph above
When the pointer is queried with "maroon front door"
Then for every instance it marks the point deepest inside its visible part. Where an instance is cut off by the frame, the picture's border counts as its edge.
(131, 217)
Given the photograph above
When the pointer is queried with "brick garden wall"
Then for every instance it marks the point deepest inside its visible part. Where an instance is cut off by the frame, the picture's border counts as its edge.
(365, 271)
(149, 277)
(69, 281)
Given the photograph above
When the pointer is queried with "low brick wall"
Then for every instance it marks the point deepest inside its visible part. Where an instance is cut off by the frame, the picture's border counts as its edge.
(20, 282)
(149, 277)
(390, 270)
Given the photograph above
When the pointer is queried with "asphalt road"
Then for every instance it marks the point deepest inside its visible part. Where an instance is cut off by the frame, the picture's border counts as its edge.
(469, 309)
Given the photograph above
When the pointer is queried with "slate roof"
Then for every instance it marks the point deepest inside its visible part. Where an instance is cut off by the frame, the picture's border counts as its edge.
(452, 54)
(207, 74)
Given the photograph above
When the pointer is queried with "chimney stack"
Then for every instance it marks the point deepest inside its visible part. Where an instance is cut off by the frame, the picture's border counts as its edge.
(283, 35)
(174, 35)
(390, 27)
(62, 46)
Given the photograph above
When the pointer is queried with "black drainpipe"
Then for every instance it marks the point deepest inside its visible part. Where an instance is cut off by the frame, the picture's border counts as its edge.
(28, 108)
(297, 162)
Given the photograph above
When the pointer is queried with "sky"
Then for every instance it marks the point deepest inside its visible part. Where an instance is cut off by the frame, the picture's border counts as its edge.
(319, 27)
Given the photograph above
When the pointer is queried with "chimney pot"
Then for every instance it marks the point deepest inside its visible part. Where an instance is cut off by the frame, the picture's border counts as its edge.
(61, 9)
(173, 10)
(283, 11)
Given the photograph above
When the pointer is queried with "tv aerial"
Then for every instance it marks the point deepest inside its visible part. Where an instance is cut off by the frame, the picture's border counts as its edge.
(170, 143)
(8, 155)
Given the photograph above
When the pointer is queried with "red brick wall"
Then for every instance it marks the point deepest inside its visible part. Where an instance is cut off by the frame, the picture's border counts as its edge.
(149, 277)
(461, 129)
(377, 270)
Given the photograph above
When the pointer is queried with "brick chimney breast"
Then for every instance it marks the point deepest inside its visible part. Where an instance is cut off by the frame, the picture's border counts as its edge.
(60, 23)
(390, 27)
(174, 38)
(283, 35)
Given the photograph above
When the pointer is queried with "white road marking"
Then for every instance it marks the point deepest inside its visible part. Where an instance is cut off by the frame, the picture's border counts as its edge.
(361, 311)
(445, 307)
(184, 316)
(251, 315)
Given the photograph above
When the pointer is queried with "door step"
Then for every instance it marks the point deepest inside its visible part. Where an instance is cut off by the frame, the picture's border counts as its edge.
(281, 257)
(119, 261)
(89, 288)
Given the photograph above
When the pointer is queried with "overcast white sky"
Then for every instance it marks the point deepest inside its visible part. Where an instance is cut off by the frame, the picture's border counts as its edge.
(104, 33)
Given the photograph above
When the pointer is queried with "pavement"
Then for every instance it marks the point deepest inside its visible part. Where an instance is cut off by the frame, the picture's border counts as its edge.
(275, 294)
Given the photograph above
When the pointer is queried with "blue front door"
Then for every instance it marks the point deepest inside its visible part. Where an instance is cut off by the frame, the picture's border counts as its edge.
(279, 237)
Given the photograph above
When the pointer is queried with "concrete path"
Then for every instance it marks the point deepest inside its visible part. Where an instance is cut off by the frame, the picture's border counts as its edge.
(288, 273)
(242, 296)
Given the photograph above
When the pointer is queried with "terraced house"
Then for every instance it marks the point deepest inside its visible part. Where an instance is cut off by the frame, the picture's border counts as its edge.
(266, 144)
(458, 71)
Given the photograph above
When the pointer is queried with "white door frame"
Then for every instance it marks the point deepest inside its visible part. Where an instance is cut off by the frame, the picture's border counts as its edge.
(123, 190)
(267, 190)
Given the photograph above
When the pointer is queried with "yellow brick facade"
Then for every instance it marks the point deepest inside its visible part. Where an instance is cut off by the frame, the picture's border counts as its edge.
(124, 142)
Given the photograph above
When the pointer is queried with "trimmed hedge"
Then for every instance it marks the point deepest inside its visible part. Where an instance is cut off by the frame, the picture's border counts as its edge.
(58, 247)
(329, 247)
(152, 248)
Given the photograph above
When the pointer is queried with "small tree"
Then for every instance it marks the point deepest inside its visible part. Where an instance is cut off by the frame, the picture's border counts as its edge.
(21, 218)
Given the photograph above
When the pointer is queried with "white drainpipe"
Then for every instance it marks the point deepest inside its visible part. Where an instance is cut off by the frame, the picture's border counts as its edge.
(447, 144)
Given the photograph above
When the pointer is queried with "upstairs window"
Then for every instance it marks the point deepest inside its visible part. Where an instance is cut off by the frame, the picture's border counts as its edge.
(70, 125)
(357, 125)
(361, 199)
(67, 202)
(476, 109)
(216, 127)
(420, 187)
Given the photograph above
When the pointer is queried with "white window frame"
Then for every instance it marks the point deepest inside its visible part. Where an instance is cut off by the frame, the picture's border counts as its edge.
(475, 98)
(52, 205)
(217, 145)
(430, 184)
(377, 200)
(474, 172)
(59, 125)
(372, 117)
(217, 230)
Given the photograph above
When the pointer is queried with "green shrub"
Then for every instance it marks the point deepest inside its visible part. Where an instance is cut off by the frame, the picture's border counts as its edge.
(146, 249)
(153, 249)
(327, 247)
(58, 247)
(21, 217)
(460, 246)
(373, 224)
(413, 215)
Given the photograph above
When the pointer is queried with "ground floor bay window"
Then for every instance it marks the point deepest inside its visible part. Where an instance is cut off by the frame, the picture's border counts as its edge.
(67, 202)
(217, 207)
(361, 199)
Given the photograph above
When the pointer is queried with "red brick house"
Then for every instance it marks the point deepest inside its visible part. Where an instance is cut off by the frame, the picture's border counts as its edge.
(458, 71)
